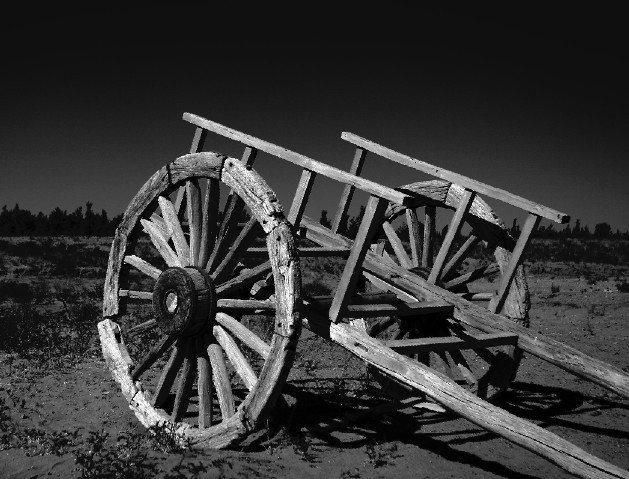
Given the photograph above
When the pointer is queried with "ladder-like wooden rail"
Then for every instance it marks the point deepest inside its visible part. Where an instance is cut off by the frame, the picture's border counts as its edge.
(305, 162)
(464, 181)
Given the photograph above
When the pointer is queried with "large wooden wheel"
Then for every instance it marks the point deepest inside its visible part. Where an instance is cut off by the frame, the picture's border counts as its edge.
(184, 335)
(486, 370)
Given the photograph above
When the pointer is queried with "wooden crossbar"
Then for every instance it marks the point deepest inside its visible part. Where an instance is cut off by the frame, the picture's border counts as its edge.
(451, 343)
(315, 166)
(464, 181)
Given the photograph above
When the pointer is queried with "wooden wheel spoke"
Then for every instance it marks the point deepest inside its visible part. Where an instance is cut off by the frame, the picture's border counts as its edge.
(171, 218)
(473, 275)
(210, 218)
(184, 388)
(205, 385)
(413, 235)
(222, 383)
(169, 373)
(161, 243)
(237, 250)
(195, 214)
(142, 266)
(246, 277)
(153, 355)
(235, 356)
(396, 244)
(453, 229)
(145, 326)
(246, 304)
(429, 234)
(227, 232)
(131, 294)
(459, 256)
(245, 335)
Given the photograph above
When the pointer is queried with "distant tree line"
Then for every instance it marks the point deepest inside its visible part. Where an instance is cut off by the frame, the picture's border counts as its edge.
(348, 227)
(20, 222)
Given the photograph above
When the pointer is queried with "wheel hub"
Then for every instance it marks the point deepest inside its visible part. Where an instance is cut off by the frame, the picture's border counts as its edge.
(184, 301)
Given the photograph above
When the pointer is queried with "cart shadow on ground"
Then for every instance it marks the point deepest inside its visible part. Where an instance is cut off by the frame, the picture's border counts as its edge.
(333, 419)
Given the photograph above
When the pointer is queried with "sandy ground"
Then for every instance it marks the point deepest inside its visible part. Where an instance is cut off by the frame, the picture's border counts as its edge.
(69, 411)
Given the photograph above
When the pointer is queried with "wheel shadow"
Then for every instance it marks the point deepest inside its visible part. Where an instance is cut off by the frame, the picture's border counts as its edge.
(340, 419)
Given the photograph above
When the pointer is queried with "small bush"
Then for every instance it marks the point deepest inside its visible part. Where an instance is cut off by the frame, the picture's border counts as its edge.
(623, 287)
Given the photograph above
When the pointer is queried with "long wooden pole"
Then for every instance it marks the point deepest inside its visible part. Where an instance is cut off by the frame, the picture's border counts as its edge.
(445, 391)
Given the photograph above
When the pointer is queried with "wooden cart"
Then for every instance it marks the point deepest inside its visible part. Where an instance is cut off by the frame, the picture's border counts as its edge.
(203, 295)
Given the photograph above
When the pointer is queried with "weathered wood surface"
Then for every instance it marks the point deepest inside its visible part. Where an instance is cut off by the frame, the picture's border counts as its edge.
(450, 343)
(555, 352)
(368, 186)
(187, 359)
(374, 212)
(464, 181)
(457, 399)
(348, 190)
(301, 197)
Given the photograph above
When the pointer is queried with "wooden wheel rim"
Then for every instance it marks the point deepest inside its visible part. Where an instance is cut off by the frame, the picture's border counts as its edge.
(491, 230)
(265, 208)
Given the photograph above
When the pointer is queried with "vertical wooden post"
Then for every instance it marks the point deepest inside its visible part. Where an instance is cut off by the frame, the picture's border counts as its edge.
(301, 197)
(429, 235)
(497, 302)
(413, 235)
(374, 213)
(348, 191)
(453, 230)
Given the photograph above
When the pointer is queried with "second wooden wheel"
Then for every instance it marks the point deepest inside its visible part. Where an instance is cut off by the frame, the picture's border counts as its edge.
(404, 241)
(184, 334)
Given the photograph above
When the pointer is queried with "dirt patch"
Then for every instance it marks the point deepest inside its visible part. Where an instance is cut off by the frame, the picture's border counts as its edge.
(62, 415)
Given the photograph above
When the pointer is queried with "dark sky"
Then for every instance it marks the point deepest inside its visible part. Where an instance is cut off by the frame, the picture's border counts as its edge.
(89, 113)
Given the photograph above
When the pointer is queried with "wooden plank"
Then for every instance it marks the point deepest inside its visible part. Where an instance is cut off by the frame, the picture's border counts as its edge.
(198, 140)
(348, 190)
(473, 275)
(429, 235)
(459, 256)
(451, 343)
(374, 212)
(328, 171)
(453, 230)
(457, 399)
(477, 296)
(476, 316)
(143, 266)
(396, 244)
(301, 197)
(324, 302)
(477, 186)
(248, 337)
(498, 300)
(418, 308)
(144, 326)
(413, 235)
(227, 232)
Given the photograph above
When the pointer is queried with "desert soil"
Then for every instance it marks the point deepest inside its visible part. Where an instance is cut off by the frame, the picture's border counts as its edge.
(70, 420)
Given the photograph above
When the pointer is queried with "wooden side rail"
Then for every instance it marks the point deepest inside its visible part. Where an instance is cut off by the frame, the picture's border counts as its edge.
(461, 180)
(307, 163)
